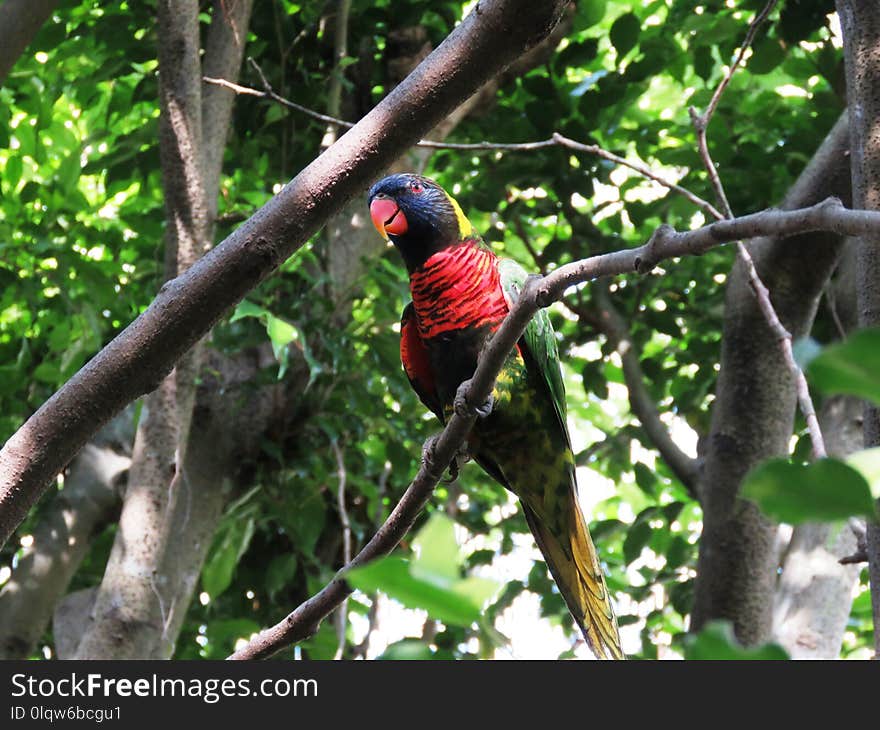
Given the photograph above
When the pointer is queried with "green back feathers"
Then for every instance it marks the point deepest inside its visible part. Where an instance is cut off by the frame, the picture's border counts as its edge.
(538, 338)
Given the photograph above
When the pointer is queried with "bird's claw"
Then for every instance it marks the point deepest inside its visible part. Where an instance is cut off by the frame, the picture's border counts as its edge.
(461, 457)
(428, 450)
(485, 410)
(464, 409)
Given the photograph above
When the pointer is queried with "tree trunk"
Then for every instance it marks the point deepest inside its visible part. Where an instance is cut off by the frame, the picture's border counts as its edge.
(753, 413)
(90, 500)
(860, 24)
(814, 596)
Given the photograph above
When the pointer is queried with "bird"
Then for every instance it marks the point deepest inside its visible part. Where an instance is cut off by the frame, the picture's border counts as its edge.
(461, 292)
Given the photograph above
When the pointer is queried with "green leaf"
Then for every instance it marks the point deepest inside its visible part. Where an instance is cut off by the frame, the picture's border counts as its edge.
(413, 649)
(431, 580)
(768, 54)
(867, 463)
(247, 308)
(477, 590)
(624, 34)
(645, 478)
(704, 63)
(637, 537)
(280, 573)
(392, 576)
(229, 545)
(824, 491)
(716, 641)
(851, 367)
(12, 173)
(438, 557)
(589, 13)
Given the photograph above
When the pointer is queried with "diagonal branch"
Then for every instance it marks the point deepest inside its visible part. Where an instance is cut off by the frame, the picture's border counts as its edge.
(539, 292)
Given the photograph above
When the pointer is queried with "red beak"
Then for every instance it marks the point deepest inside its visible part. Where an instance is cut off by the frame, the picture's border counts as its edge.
(388, 217)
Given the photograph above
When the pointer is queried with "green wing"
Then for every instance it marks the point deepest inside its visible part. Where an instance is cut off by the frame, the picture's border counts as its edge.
(538, 341)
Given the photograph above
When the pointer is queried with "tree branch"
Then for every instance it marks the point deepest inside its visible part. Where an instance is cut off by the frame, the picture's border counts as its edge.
(89, 501)
(340, 51)
(187, 307)
(813, 597)
(224, 48)
(737, 568)
(642, 404)
(664, 244)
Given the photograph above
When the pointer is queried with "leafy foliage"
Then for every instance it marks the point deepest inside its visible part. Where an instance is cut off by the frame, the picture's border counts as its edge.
(432, 580)
(824, 491)
(717, 641)
(80, 256)
(851, 367)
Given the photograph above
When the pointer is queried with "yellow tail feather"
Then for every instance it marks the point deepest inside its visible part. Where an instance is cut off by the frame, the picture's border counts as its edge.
(574, 564)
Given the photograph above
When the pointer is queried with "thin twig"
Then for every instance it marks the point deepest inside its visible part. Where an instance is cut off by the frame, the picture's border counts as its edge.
(762, 294)
(557, 140)
(831, 301)
(362, 649)
(340, 51)
(527, 242)
(540, 291)
(747, 43)
(342, 613)
(639, 168)
(701, 121)
(860, 556)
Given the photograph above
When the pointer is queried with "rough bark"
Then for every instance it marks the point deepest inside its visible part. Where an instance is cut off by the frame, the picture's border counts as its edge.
(19, 22)
(753, 414)
(814, 595)
(90, 500)
(860, 24)
(70, 618)
(186, 308)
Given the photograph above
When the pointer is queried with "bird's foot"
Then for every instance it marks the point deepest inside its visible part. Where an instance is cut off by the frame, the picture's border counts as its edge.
(461, 457)
(428, 449)
(462, 406)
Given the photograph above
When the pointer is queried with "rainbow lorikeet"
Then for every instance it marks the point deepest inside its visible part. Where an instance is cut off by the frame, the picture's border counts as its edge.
(461, 292)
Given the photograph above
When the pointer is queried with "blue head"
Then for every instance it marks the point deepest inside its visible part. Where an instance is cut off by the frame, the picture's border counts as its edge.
(418, 216)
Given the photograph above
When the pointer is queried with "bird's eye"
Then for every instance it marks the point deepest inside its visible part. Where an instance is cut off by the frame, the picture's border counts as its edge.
(416, 187)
